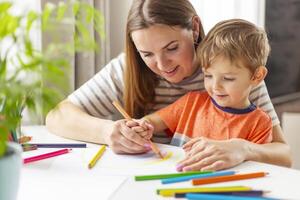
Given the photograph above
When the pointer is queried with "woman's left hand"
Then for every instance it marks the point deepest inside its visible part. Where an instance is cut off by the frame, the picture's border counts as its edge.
(206, 154)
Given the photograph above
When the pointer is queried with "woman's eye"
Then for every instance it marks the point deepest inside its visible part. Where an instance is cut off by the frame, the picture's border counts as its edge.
(207, 76)
(173, 48)
(147, 55)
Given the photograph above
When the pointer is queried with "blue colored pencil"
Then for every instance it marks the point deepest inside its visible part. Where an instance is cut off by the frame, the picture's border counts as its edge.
(191, 196)
(56, 145)
(187, 178)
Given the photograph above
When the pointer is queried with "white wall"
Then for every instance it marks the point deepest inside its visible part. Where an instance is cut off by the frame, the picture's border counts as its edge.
(213, 11)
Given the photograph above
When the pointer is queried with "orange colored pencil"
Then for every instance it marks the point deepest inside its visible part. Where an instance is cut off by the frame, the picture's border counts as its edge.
(24, 139)
(154, 148)
(234, 177)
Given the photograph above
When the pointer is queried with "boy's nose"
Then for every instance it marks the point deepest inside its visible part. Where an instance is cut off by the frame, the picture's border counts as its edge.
(216, 85)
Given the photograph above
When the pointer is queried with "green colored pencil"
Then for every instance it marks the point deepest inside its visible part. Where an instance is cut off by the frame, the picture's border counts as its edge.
(173, 175)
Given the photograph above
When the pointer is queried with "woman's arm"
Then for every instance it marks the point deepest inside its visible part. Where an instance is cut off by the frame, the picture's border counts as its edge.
(277, 152)
(205, 154)
(68, 120)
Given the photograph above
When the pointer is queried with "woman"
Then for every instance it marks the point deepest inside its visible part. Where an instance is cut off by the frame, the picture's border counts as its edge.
(158, 67)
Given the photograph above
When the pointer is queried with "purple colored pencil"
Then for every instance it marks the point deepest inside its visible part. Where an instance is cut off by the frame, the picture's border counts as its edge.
(56, 145)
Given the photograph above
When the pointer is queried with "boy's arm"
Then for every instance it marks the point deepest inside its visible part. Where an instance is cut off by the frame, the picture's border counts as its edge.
(158, 124)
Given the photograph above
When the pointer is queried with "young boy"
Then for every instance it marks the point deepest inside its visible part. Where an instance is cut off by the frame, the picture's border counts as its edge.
(233, 56)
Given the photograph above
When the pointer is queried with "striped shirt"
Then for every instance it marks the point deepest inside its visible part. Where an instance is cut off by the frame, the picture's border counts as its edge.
(97, 94)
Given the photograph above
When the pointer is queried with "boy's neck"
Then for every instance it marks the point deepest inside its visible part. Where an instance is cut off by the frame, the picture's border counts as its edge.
(249, 107)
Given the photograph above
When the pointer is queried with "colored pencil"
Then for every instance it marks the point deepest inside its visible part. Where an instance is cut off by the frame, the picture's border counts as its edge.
(46, 155)
(222, 197)
(187, 178)
(253, 193)
(154, 148)
(166, 176)
(24, 139)
(29, 148)
(97, 157)
(228, 178)
(168, 192)
(57, 145)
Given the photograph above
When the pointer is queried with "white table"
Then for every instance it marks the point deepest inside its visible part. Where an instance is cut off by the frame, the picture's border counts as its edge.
(67, 176)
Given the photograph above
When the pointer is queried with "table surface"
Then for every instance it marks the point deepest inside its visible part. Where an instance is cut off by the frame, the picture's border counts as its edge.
(68, 177)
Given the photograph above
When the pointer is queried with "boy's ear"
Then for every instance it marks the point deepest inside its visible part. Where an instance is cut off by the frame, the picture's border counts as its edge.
(259, 74)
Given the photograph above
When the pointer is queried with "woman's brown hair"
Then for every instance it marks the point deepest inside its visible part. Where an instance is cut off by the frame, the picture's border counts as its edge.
(140, 81)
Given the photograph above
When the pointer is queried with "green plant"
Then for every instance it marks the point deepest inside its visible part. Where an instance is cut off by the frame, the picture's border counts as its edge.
(30, 77)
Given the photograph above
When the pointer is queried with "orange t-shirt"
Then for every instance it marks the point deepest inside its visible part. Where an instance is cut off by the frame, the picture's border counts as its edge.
(197, 114)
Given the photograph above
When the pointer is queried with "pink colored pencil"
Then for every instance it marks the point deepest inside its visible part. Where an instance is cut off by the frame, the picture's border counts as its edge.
(46, 155)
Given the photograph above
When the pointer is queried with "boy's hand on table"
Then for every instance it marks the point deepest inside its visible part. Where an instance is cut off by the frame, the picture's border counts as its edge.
(206, 154)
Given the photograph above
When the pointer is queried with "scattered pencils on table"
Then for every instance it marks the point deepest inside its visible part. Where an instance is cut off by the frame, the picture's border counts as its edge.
(46, 155)
(24, 139)
(56, 145)
(234, 177)
(96, 157)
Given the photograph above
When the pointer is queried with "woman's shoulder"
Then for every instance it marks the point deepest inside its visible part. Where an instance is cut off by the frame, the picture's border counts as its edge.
(117, 63)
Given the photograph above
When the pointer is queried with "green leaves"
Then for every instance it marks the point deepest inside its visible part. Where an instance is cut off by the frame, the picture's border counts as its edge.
(39, 79)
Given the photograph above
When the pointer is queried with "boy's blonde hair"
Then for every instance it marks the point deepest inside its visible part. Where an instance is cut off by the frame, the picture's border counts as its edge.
(237, 40)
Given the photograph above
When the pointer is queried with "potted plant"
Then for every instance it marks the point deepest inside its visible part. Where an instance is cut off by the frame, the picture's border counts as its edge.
(34, 79)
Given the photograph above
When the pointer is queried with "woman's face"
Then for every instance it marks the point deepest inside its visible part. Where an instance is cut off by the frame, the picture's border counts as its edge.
(167, 51)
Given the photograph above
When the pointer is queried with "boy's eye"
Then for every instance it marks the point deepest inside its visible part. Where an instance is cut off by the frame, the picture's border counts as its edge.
(229, 79)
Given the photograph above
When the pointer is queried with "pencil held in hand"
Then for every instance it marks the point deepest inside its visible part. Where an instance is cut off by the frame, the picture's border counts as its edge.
(154, 148)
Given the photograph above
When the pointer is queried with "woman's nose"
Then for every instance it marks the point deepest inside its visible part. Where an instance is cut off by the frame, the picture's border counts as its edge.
(162, 62)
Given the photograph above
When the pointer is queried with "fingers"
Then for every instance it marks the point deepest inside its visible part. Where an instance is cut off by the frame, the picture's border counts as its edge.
(124, 140)
(131, 135)
(142, 127)
(208, 163)
(125, 146)
(190, 161)
(188, 146)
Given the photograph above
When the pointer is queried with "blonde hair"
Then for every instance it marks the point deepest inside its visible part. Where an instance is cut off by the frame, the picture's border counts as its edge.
(237, 40)
(139, 80)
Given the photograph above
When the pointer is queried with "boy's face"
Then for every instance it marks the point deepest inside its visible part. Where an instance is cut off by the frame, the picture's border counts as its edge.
(229, 85)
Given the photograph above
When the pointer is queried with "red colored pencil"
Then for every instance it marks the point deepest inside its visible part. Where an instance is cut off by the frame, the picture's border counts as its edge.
(228, 178)
(46, 155)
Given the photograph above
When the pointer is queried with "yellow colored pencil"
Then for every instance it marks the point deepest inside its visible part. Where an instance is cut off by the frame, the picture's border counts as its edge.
(97, 156)
(168, 192)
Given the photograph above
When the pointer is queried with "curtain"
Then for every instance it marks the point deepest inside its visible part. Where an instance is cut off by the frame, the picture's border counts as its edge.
(85, 65)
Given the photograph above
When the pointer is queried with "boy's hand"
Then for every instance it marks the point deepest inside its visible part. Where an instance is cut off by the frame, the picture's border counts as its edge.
(206, 154)
(142, 127)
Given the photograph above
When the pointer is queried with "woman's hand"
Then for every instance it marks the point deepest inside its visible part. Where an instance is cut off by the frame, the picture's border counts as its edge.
(125, 140)
(205, 154)
(142, 127)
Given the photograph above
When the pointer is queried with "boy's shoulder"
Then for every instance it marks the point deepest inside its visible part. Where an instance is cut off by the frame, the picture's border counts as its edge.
(261, 116)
